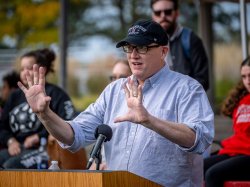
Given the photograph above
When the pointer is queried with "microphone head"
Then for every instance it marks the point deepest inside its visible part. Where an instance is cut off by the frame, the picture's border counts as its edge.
(104, 130)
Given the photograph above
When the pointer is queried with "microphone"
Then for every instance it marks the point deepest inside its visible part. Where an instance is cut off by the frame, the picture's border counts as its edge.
(103, 133)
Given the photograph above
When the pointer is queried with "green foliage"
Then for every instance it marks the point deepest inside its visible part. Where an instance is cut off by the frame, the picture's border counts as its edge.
(32, 22)
(110, 18)
(97, 83)
(72, 83)
(29, 22)
(226, 21)
(189, 15)
(81, 103)
(222, 89)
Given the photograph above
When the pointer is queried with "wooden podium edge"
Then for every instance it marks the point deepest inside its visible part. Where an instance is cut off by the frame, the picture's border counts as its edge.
(71, 178)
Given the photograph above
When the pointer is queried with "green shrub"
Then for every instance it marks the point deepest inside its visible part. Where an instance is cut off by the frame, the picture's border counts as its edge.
(81, 103)
(222, 88)
(72, 83)
(97, 83)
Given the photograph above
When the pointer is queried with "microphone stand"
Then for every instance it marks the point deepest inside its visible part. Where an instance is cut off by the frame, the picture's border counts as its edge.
(98, 159)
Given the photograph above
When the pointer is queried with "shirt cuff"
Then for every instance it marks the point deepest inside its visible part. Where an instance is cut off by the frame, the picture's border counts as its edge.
(196, 148)
(78, 137)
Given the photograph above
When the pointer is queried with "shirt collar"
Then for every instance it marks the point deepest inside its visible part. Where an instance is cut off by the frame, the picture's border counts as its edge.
(156, 78)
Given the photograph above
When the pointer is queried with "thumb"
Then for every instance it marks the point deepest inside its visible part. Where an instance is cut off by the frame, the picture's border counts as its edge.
(120, 119)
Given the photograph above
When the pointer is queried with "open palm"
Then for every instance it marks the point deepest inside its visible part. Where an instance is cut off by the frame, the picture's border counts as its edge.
(35, 93)
(136, 111)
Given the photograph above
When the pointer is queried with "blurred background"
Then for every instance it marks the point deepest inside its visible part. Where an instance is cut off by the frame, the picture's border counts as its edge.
(92, 28)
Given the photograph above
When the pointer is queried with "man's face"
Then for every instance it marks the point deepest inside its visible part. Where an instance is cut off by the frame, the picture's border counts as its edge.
(145, 65)
(163, 13)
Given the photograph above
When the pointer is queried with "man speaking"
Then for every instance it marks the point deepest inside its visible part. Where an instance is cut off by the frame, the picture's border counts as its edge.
(161, 120)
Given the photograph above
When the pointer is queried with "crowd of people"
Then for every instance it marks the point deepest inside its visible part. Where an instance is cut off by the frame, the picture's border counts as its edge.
(20, 129)
(156, 105)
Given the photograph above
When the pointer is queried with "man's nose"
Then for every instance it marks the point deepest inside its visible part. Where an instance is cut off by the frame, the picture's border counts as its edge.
(162, 15)
(134, 52)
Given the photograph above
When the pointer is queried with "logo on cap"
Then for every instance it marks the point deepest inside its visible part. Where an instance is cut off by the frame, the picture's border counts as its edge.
(137, 29)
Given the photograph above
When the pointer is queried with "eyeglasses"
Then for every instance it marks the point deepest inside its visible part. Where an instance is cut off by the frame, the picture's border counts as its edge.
(139, 49)
(167, 12)
(114, 77)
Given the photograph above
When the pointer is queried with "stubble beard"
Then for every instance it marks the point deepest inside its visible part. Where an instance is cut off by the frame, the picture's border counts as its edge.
(170, 28)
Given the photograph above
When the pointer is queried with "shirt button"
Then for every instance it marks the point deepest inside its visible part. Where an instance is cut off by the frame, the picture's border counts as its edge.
(128, 152)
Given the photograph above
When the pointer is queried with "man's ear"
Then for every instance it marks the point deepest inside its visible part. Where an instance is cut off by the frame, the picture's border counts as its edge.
(164, 51)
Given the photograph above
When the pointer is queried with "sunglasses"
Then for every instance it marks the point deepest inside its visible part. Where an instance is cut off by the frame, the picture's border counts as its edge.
(167, 12)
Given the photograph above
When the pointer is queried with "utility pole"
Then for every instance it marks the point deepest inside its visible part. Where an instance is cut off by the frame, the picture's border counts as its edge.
(243, 20)
(63, 44)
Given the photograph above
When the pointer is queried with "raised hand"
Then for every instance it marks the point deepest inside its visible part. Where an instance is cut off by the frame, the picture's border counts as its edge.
(136, 111)
(35, 93)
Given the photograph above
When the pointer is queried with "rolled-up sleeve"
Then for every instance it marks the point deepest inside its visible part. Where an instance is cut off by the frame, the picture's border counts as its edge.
(196, 112)
(86, 122)
(79, 137)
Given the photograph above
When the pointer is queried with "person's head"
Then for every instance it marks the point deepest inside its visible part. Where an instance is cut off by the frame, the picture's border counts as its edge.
(165, 12)
(121, 69)
(245, 73)
(9, 84)
(241, 89)
(145, 46)
(42, 57)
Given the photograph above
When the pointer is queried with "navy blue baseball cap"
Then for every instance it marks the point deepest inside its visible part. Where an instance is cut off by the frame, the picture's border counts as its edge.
(145, 32)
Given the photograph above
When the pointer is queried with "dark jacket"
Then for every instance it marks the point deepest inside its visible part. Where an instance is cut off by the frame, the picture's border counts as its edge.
(197, 66)
(19, 121)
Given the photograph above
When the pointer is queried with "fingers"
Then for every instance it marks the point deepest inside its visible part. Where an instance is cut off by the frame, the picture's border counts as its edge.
(126, 90)
(29, 79)
(35, 74)
(31, 141)
(14, 149)
(140, 93)
(22, 87)
(132, 88)
(27, 144)
(42, 76)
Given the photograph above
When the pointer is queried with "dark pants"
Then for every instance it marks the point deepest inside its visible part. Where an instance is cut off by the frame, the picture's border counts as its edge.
(220, 168)
(27, 159)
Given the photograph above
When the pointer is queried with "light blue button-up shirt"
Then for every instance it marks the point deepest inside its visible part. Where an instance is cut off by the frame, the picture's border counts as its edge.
(169, 96)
